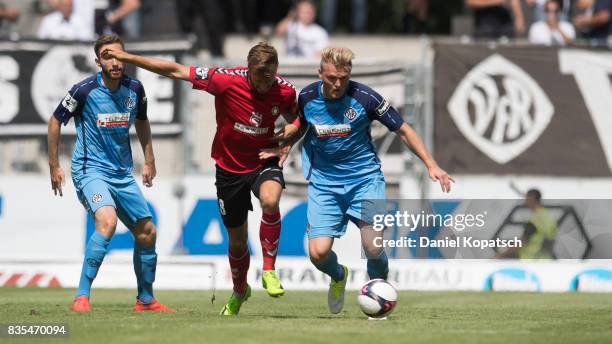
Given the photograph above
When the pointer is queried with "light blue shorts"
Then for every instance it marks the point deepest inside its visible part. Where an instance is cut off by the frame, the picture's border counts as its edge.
(122, 193)
(330, 207)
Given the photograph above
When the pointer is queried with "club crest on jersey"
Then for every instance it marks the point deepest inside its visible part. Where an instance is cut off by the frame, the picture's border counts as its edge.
(350, 113)
(275, 110)
(129, 103)
(201, 73)
(256, 119)
(96, 198)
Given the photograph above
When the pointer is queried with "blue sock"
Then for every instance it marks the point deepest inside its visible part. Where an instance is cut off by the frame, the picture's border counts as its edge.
(145, 263)
(378, 267)
(331, 267)
(96, 249)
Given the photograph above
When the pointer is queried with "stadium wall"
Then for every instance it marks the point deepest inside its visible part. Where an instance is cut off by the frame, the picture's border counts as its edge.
(42, 239)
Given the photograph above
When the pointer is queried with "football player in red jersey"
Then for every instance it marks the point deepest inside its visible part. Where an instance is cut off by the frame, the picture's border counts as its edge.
(248, 100)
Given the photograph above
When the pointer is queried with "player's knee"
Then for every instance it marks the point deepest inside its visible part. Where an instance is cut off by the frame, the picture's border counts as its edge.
(269, 204)
(106, 225)
(371, 251)
(317, 254)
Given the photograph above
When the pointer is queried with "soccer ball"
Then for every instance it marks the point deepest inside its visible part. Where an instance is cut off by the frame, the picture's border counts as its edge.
(377, 298)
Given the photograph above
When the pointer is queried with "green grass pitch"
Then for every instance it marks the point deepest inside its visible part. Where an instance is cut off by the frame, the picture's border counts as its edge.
(302, 317)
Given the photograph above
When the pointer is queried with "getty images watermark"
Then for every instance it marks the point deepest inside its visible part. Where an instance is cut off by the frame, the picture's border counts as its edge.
(459, 222)
(490, 228)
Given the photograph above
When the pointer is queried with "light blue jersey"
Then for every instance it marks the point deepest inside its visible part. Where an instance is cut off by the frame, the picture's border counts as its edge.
(338, 148)
(103, 119)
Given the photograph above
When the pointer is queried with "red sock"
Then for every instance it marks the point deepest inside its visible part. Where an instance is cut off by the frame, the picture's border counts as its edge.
(239, 263)
(269, 232)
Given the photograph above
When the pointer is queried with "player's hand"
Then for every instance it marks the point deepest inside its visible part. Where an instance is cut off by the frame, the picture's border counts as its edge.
(58, 179)
(110, 52)
(148, 173)
(286, 133)
(439, 175)
(280, 152)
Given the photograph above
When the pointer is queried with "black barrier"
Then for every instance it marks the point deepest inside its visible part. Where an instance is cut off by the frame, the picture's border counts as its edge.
(523, 110)
(36, 75)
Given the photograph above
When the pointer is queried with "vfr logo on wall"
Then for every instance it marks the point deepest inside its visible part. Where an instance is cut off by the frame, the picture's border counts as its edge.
(500, 109)
(592, 280)
(512, 279)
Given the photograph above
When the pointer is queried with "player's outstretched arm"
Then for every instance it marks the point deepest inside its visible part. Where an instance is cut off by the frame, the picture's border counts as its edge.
(143, 130)
(166, 68)
(57, 174)
(412, 140)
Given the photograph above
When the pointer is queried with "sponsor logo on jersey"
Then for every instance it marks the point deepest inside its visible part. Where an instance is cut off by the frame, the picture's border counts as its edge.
(256, 119)
(96, 198)
(383, 107)
(250, 130)
(500, 109)
(110, 120)
(129, 103)
(337, 130)
(70, 103)
(350, 113)
(201, 73)
(275, 110)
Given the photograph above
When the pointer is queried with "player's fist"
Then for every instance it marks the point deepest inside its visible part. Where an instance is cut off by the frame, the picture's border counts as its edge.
(58, 179)
(286, 133)
(148, 173)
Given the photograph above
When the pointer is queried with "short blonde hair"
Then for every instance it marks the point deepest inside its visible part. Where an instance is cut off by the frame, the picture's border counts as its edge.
(339, 57)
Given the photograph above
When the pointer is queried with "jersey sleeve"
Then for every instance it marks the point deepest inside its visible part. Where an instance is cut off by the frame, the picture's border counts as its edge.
(72, 105)
(379, 108)
(289, 100)
(142, 103)
(208, 79)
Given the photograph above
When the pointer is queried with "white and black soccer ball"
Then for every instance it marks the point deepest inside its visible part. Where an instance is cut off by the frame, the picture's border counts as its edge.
(377, 298)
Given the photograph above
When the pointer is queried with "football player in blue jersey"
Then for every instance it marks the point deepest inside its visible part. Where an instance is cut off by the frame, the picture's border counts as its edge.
(345, 181)
(104, 107)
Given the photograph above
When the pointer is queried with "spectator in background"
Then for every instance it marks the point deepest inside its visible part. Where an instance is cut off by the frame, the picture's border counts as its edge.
(553, 31)
(358, 15)
(494, 19)
(415, 17)
(304, 38)
(8, 17)
(539, 232)
(118, 16)
(211, 14)
(539, 9)
(63, 24)
(595, 21)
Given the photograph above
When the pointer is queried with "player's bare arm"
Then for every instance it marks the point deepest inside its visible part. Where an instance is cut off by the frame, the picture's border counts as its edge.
(287, 141)
(58, 178)
(143, 130)
(166, 68)
(415, 144)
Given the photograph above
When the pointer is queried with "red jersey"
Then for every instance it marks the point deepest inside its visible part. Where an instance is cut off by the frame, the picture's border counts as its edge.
(245, 118)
